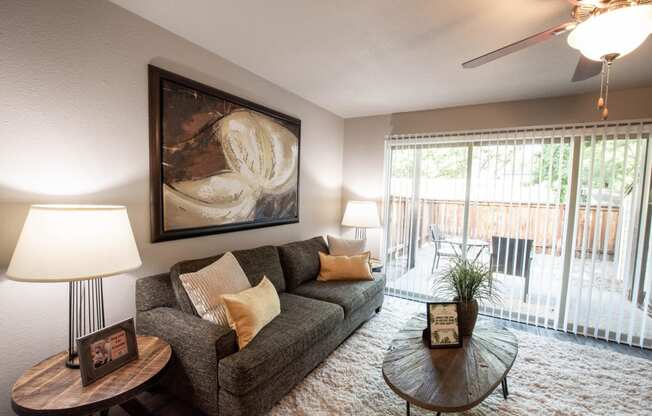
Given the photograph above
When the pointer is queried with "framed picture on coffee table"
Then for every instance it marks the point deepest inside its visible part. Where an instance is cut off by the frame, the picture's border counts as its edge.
(443, 325)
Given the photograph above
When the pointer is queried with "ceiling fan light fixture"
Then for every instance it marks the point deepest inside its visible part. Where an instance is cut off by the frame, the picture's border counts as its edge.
(617, 32)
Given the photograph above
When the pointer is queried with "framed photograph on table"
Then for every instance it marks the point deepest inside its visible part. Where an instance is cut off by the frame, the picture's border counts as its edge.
(443, 325)
(106, 350)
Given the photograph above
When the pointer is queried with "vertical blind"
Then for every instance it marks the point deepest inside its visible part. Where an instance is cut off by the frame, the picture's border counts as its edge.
(558, 213)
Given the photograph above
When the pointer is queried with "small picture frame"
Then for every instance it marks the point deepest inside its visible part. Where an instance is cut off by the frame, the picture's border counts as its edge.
(106, 350)
(443, 325)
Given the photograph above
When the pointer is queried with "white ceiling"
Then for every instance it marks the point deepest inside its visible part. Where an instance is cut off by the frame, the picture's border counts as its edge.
(365, 57)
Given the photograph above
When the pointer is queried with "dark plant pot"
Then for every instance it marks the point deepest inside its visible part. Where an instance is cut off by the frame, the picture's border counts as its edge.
(468, 317)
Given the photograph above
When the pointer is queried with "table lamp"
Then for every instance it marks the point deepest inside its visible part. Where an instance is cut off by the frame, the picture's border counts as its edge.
(361, 215)
(78, 244)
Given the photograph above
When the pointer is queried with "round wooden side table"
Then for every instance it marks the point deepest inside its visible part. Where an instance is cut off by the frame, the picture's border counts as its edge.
(50, 388)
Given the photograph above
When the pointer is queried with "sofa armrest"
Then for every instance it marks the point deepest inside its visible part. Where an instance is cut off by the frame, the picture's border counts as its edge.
(198, 345)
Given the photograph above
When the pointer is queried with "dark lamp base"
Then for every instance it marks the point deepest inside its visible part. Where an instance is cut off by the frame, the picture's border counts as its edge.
(85, 314)
(73, 362)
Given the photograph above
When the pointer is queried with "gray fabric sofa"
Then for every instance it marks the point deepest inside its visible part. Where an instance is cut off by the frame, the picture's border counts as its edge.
(209, 371)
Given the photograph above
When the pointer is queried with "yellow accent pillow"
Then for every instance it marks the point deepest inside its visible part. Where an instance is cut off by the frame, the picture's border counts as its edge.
(250, 310)
(344, 267)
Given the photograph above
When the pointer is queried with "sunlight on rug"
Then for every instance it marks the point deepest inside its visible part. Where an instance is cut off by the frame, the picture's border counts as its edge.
(549, 377)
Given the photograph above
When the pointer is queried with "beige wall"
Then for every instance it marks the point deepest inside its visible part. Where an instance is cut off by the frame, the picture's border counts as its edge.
(363, 137)
(74, 128)
(625, 104)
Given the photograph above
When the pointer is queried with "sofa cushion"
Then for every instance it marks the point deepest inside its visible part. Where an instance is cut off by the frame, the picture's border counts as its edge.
(300, 260)
(302, 324)
(350, 295)
(259, 262)
(256, 263)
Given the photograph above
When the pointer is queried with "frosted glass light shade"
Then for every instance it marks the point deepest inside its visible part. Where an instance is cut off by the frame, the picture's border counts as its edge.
(619, 31)
(361, 214)
(62, 243)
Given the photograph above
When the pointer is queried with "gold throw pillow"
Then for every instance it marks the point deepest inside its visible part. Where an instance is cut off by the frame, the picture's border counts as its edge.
(250, 310)
(344, 267)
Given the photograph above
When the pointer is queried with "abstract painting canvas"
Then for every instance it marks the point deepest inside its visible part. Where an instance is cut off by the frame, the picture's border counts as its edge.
(218, 163)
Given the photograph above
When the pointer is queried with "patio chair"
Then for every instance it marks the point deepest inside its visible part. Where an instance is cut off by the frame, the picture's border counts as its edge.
(512, 256)
(438, 238)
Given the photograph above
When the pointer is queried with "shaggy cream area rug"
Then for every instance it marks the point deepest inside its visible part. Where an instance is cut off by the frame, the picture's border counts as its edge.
(549, 377)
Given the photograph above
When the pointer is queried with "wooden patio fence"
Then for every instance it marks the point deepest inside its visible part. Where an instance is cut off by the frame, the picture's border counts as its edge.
(516, 220)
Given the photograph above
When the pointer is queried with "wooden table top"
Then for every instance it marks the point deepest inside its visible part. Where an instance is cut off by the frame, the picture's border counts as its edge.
(51, 388)
(450, 379)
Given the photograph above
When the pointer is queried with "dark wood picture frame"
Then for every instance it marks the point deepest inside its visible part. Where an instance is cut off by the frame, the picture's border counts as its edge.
(429, 329)
(89, 372)
(158, 233)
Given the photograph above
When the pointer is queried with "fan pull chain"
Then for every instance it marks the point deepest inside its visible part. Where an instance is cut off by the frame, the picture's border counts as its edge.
(605, 111)
(601, 99)
(604, 87)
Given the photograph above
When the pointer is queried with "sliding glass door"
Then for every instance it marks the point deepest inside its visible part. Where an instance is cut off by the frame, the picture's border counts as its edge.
(560, 215)
(606, 271)
(518, 205)
(426, 194)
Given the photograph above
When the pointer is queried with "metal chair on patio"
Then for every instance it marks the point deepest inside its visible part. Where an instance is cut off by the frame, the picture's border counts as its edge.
(442, 247)
(512, 256)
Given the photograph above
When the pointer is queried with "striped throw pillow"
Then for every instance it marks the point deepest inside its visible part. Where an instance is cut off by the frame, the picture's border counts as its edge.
(206, 286)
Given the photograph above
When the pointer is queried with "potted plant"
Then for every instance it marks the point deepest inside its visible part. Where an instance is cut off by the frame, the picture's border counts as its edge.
(469, 283)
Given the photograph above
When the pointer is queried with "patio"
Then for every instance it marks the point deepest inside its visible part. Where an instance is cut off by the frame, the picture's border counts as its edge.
(543, 300)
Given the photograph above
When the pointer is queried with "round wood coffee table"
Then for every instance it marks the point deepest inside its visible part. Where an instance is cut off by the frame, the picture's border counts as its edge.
(50, 388)
(450, 379)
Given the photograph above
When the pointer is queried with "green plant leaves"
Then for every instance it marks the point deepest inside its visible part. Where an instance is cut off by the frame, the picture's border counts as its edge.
(466, 281)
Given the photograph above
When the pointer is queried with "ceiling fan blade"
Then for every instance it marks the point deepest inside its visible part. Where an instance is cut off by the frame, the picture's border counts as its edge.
(586, 68)
(521, 44)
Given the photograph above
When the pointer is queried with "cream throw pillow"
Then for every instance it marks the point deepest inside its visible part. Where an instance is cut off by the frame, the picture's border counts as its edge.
(343, 247)
(206, 286)
(250, 310)
(344, 267)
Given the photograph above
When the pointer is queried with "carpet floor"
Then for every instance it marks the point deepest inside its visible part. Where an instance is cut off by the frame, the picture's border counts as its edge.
(549, 377)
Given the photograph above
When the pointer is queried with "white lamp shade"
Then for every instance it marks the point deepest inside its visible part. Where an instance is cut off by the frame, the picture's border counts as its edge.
(619, 31)
(62, 243)
(361, 214)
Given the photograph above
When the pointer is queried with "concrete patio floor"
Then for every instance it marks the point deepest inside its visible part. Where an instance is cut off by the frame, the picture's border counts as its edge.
(608, 308)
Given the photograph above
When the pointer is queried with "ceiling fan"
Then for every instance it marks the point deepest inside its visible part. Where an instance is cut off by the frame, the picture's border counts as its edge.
(602, 30)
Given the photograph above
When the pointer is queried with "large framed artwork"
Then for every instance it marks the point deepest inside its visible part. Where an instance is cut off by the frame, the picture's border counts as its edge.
(218, 163)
